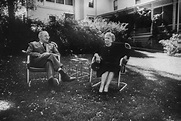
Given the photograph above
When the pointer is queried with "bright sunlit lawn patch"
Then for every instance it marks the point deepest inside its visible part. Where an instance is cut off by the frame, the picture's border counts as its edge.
(5, 105)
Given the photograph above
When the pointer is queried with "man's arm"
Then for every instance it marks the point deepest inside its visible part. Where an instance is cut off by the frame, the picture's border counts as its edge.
(55, 49)
(30, 51)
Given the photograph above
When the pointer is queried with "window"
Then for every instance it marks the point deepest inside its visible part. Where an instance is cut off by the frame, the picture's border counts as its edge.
(68, 2)
(60, 1)
(69, 16)
(91, 18)
(52, 18)
(91, 3)
(115, 4)
(168, 14)
(164, 14)
(50, 0)
(137, 1)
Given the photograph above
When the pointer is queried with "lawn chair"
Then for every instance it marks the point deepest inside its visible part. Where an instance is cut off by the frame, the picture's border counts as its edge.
(118, 79)
(30, 68)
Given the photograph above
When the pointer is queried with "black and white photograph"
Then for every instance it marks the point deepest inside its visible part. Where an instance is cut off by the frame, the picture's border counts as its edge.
(90, 60)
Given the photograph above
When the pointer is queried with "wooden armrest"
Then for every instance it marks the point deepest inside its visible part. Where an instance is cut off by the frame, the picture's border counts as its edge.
(28, 59)
(24, 51)
(123, 61)
(58, 56)
(127, 46)
(93, 59)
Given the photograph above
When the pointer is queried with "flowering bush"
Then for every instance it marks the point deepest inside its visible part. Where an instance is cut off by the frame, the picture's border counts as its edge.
(101, 26)
(77, 37)
(172, 45)
(82, 36)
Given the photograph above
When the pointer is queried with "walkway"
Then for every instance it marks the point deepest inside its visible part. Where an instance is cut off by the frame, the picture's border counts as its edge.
(158, 61)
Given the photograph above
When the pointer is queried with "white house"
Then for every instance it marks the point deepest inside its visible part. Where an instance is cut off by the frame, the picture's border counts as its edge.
(80, 9)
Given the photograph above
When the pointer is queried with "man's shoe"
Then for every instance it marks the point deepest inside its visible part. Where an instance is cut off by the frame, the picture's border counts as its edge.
(71, 79)
(53, 81)
(65, 77)
(68, 79)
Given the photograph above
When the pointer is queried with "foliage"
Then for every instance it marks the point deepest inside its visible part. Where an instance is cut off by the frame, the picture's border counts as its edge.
(171, 45)
(151, 95)
(103, 25)
(81, 36)
(142, 18)
(15, 35)
(72, 36)
(13, 5)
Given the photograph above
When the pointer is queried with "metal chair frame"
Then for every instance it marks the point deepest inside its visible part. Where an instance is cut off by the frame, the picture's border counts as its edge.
(118, 80)
(35, 69)
(122, 71)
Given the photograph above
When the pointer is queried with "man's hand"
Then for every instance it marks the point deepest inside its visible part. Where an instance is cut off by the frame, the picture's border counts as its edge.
(45, 53)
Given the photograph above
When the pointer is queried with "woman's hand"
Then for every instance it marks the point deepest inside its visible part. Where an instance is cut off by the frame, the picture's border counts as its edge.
(97, 58)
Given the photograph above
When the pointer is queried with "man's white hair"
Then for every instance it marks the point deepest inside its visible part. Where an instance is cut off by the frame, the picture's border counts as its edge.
(41, 33)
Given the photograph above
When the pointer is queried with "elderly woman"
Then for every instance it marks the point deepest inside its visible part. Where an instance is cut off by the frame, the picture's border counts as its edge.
(109, 57)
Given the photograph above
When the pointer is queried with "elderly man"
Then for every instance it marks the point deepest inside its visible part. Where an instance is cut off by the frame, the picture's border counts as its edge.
(43, 54)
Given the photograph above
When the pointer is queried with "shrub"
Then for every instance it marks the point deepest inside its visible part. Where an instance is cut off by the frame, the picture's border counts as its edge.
(81, 36)
(71, 37)
(171, 46)
(78, 37)
(103, 25)
(14, 35)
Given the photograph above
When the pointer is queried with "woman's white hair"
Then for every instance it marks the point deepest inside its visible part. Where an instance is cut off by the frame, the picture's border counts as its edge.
(111, 35)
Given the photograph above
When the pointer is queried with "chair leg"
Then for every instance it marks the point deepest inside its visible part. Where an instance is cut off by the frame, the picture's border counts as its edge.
(119, 78)
(96, 84)
(90, 77)
(119, 81)
(28, 77)
(123, 86)
(59, 77)
(123, 69)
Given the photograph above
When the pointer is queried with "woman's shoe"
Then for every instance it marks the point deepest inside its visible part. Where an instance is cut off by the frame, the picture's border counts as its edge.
(101, 89)
(105, 89)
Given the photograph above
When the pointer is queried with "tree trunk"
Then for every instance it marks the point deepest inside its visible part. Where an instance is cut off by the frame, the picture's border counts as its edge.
(11, 9)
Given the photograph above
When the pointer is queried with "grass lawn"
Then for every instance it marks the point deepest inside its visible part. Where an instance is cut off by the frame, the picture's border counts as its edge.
(149, 96)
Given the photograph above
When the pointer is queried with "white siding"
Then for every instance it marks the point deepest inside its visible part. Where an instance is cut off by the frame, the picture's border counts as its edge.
(104, 6)
(44, 9)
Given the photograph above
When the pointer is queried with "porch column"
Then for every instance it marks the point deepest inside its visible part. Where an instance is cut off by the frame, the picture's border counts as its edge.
(174, 14)
(178, 12)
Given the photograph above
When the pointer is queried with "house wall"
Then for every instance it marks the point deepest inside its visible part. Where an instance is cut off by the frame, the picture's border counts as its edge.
(125, 3)
(44, 9)
(104, 6)
(100, 6)
(44, 13)
(79, 9)
(87, 10)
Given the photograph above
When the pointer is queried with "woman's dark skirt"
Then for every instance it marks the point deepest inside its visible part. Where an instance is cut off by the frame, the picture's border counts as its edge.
(110, 67)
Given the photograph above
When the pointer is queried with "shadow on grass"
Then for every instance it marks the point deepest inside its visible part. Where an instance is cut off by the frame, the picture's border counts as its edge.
(149, 96)
(139, 54)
